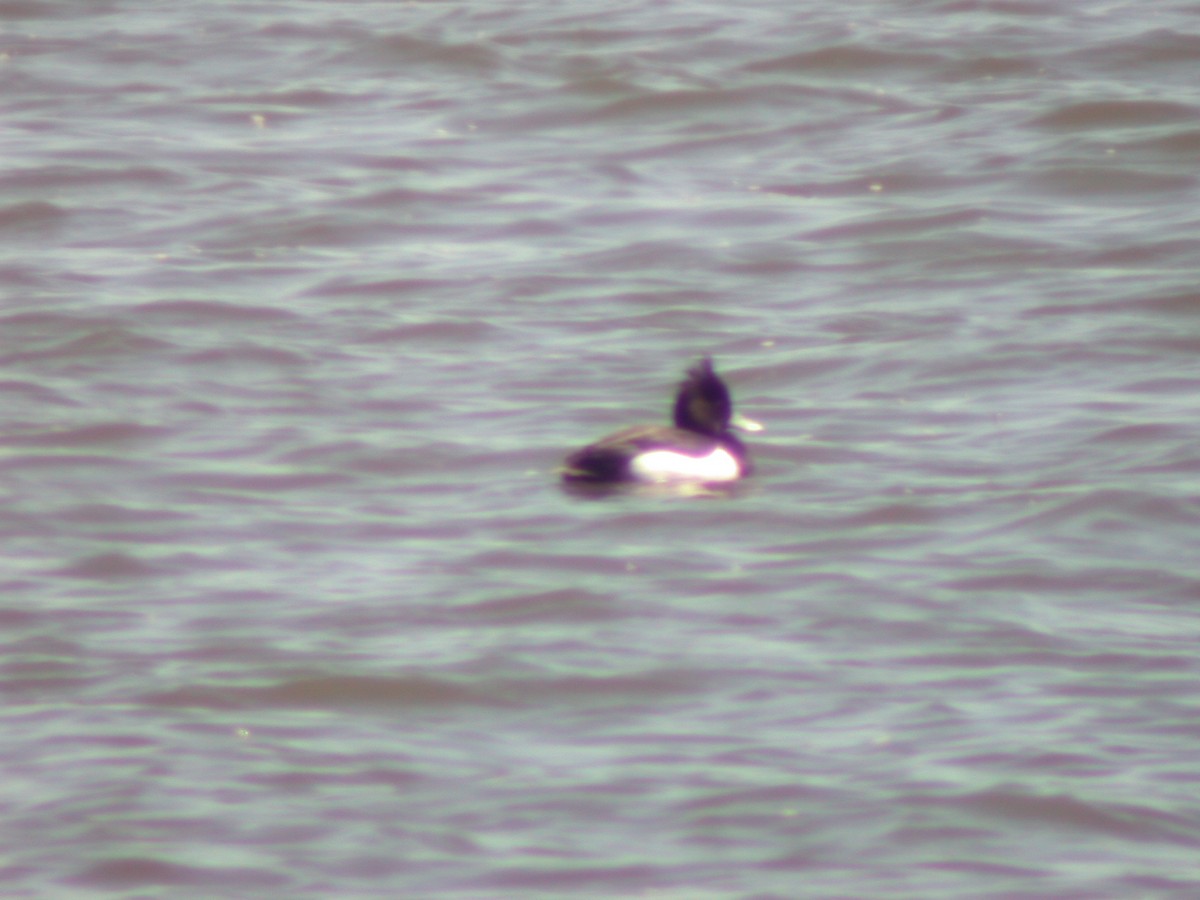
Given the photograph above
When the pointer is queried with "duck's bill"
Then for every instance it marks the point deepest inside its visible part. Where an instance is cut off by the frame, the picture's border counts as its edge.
(740, 421)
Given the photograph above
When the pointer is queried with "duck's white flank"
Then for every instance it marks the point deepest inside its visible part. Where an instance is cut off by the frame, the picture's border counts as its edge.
(669, 465)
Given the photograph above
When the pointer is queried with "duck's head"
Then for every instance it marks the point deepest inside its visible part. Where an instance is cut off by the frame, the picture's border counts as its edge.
(703, 403)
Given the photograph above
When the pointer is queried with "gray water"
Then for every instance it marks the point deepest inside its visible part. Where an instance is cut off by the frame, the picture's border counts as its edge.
(303, 303)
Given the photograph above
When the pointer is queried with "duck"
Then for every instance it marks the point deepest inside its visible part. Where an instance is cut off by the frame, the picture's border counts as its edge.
(700, 447)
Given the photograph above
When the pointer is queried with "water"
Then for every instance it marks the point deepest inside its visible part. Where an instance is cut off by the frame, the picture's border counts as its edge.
(304, 302)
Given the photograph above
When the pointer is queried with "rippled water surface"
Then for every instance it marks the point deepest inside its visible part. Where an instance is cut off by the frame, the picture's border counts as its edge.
(303, 303)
